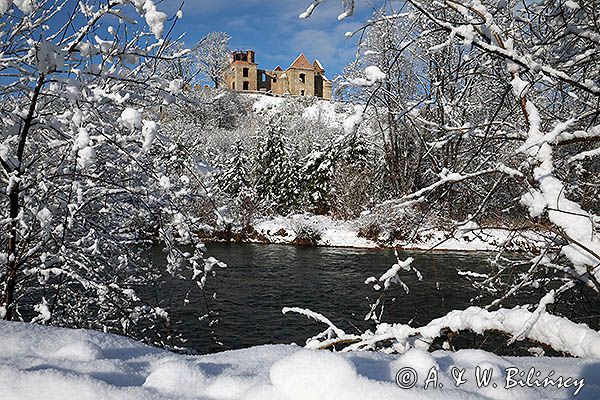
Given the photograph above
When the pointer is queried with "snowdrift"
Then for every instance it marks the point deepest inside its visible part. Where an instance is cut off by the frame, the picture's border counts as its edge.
(38, 362)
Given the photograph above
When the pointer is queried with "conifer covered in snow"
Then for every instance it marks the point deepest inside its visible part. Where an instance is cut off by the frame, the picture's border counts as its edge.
(235, 177)
(317, 172)
(276, 173)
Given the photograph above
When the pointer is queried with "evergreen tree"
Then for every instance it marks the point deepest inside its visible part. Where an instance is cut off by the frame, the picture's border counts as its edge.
(276, 173)
(233, 180)
(317, 173)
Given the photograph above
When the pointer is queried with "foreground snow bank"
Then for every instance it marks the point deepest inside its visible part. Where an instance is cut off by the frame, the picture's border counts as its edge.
(39, 362)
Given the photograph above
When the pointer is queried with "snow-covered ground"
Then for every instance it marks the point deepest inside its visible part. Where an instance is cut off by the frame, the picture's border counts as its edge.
(44, 363)
(265, 103)
(331, 113)
(331, 232)
(339, 233)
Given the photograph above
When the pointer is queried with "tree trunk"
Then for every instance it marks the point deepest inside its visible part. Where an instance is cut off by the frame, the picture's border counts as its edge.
(10, 284)
(11, 273)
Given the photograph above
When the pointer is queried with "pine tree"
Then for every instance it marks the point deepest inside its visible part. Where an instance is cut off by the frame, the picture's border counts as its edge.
(317, 173)
(233, 180)
(276, 173)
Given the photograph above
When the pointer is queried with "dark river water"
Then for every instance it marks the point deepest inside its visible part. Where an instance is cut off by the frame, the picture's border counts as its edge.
(262, 279)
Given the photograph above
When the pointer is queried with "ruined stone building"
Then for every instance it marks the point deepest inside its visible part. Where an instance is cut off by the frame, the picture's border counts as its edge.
(300, 79)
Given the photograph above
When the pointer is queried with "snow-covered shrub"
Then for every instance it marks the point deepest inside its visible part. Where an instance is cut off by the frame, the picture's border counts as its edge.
(388, 224)
(305, 232)
(90, 179)
(356, 183)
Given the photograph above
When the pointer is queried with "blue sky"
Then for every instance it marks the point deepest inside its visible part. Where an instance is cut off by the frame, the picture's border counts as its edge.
(273, 29)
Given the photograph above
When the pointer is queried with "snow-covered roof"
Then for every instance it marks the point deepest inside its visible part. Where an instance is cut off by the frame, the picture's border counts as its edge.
(317, 64)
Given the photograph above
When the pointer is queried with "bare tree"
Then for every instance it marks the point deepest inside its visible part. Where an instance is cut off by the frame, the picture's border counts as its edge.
(508, 111)
(211, 56)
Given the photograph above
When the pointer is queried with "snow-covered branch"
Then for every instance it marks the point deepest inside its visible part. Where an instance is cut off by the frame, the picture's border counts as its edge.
(538, 327)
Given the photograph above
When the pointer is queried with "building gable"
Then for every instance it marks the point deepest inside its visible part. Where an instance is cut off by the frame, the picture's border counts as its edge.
(318, 67)
(301, 63)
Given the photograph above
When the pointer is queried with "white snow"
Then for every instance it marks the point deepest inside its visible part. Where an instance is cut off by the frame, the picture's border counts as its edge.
(86, 154)
(48, 57)
(325, 112)
(572, 5)
(45, 217)
(373, 75)
(13, 180)
(83, 138)
(80, 350)
(149, 131)
(26, 6)
(86, 157)
(43, 311)
(352, 122)
(5, 5)
(482, 239)
(265, 103)
(332, 232)
(38, 362)
(538, 326)
(154, 18)
(339, 233)
(131, 118)
(464, 229)
(175, 86)
(331, 113)
(164, 182)
(391, 275)
(585, 154)
(535, 202)
(176, 377)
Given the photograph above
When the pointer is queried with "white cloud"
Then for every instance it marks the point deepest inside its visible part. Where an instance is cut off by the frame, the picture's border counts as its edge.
(328, 46)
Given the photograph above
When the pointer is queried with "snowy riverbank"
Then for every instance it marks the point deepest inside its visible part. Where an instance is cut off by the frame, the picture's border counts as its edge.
(39, 362)
(321, 230)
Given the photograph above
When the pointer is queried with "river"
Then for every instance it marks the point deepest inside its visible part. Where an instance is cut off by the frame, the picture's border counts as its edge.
(262, 279)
